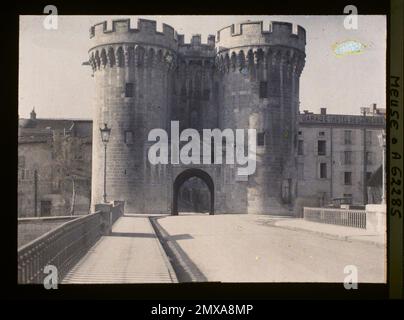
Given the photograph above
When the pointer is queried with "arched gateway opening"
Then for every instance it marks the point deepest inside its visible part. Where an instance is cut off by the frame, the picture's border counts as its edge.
(186, 175)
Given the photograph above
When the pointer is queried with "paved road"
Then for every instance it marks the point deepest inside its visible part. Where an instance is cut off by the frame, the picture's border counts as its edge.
(249, 248)
(131, 254)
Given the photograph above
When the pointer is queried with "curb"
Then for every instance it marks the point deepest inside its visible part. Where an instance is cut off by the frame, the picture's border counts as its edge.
(186, 272)
(167, 262)
(332, 236)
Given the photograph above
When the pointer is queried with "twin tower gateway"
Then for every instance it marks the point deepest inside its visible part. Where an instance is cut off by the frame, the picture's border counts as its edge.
(247, 77)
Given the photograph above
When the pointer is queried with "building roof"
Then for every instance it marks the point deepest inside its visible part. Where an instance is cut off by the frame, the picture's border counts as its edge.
(53, 124)
(83, 128)
(39, 130)
(376, 121)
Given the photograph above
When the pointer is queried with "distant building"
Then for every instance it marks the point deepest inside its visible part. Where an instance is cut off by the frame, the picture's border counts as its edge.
(54, 166)
(336, 156)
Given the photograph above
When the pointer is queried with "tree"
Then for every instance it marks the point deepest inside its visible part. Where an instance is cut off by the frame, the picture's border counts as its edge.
(71, 167)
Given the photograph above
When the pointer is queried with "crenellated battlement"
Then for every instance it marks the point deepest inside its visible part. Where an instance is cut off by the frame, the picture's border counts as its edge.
(145, 32)
(123, 25)
(255, 58)
(196, 48)
(244, 44)
(256, 33)
(196, 40)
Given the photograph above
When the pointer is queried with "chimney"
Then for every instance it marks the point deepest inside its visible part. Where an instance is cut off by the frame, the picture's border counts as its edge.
(323, 111)
(180, 38)
(211, 40)
(33, 114)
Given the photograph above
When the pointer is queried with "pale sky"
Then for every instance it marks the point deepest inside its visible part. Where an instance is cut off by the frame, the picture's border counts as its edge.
(52, 78)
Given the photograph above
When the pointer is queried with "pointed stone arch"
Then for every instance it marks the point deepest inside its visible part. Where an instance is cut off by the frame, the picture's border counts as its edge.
(129, 55)
(139, 55)
(227, 62)
(241, 60)
(111, 57)
(97, 59)
(120, 58)
(103, 57)
(233, 61)
(93, 62)
(250, 59)
(150, 57)
(159, 56)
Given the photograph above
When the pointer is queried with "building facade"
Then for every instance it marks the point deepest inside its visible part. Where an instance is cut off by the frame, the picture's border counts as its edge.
(54, 166)
(336, 156)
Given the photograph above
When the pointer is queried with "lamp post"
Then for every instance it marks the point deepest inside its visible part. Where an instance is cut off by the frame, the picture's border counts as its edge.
(105, 133)
(382, 142)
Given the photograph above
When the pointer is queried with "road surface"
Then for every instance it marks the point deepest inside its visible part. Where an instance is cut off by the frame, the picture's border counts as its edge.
(249, 248)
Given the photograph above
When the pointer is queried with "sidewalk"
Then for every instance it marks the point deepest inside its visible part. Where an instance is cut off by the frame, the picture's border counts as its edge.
(333, 231)
(131, 254)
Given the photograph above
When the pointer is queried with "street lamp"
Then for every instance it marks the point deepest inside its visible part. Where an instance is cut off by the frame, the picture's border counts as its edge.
(382, 142)
(105, 133)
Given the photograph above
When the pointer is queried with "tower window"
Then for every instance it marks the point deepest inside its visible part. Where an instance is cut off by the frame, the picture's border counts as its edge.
(348, 137)
(348, 178)
(183, 94)
(369, 138)
(321, 133)
(347, 157)
(129, 90)
(263, 89)
(206, 94)
(321, 147)
(300, 147)
(369, 158)
(261, 138)
(323, 170)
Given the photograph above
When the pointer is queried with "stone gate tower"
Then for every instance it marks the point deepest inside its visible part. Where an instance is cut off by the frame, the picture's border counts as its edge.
(133, 71)
(246, 77)
(259, 72)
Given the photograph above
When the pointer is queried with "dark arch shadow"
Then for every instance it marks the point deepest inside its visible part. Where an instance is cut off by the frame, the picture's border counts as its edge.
(184, 176)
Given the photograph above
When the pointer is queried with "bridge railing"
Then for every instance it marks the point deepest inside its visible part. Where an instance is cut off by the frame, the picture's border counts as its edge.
(344, 217)
(65, 245)
(117, 210)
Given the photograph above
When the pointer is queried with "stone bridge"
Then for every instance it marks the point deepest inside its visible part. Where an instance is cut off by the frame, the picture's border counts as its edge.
(102, 247)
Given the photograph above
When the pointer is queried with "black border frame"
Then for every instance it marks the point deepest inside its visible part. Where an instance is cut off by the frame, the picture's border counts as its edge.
(183, 291)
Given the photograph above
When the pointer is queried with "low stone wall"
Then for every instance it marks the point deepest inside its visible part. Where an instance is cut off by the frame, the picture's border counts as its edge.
(376, 218)
(110, 213)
